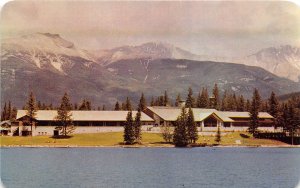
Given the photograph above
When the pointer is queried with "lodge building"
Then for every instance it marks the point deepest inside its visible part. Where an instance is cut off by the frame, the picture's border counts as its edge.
(152, 118)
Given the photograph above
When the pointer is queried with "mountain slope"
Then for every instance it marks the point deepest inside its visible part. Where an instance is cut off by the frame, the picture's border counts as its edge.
(283, 61)
(50, 65)
(149, 51)
(178, 75)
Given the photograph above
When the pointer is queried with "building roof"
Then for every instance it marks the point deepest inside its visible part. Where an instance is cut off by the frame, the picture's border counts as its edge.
(172, 113)
(6, 122)
(49, 115)
(245, 114)
(200, 114)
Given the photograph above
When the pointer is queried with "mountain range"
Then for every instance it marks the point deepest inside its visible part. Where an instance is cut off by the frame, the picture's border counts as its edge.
(50, 65)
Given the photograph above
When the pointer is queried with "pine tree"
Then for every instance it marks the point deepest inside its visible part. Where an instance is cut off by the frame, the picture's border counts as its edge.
(31, 109)
(117, 106)
(192, 131)
(75, 106)
(178, 100)
(4, 113)
(142, 104)
(152, 103)
(224, 105)
(241, 104)
(248, 105)
(64, 116)
(180, 137)
(189, 103)
(88, 105)
(129, 136)
(83, 105)
(103, 107)
(218, 135)
(254, 110)
(138, 127)
(128, 104)
(274, 108)
(9, 109)
(166, 99)
(216, 101)
(204, 99)
(39, 105)
(14, 113)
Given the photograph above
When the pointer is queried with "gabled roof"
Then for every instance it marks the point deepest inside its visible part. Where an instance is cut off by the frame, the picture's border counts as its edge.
(245, 114)
(172, 113)
(200, 114)
(49, 115)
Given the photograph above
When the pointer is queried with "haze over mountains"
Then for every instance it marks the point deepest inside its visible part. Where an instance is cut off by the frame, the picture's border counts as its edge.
(50, 65)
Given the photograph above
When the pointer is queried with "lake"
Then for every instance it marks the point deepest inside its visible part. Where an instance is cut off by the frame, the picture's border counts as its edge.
(150, 167)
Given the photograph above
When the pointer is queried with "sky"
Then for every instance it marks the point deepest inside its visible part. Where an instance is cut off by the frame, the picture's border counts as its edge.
(206, 28)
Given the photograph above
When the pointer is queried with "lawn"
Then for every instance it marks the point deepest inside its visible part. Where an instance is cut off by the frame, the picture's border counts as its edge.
(116, 139)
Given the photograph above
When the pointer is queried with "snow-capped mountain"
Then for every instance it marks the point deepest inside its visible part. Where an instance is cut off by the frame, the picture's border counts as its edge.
(283, 61)
(44, 50)
(50, 65)
(151, 51)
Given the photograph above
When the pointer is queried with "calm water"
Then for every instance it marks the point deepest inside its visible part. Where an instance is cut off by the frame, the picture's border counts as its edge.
(150, 167)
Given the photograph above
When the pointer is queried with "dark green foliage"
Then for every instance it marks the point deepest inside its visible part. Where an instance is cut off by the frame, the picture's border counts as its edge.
(180, 137)
(138, 127)
(254, 110)
(127, 105)
(166, 99)
(190, 101)
(31, 109)
(85, 105)
(215, 102)
(203, 101)
(142, 104)
(191, 127)
(117, 106)
(274, 108)
(152, 103)
(129, 134)
(218, 135)
(178, 100)
(241, 104)
(64, 116)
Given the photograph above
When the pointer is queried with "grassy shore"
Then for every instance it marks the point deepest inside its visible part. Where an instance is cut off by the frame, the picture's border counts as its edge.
(116, 139)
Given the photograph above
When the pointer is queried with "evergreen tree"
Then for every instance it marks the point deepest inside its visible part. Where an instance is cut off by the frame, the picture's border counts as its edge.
(129, 134)
(39, 105)
(254, 110)
(248, 105)
(31, 109)
(180, 137)
(4, 113)
(142, 105)
(218, 135)
(75, 106)
(152, 103)
(189, 103)
(83, 105)
(216, 101)
(204, 99)
(192, 131)
(178, 100)
(166, 99)
(103, 107)
(88, 105)
(128, 104)
(9, 109)
(64, 116)
(14, 113)
(224, 105)
(274, 108)
(138, 127)
(117, 106)
(241, 104)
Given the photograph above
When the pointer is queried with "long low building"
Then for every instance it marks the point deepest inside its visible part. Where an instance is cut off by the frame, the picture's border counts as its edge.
(210, 119)
(151, 118)
(85, 121)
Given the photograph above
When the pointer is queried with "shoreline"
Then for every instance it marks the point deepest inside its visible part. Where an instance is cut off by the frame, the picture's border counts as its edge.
(145, 146)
